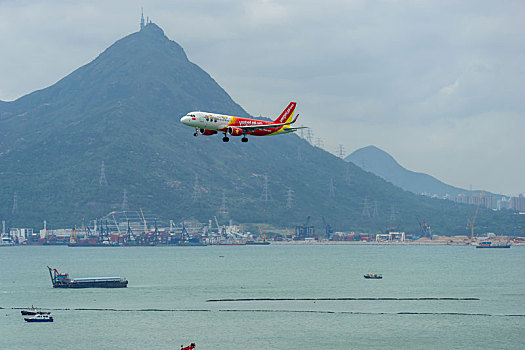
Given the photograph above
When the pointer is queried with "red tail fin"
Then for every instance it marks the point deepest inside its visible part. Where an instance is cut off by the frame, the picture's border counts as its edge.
(286, 114)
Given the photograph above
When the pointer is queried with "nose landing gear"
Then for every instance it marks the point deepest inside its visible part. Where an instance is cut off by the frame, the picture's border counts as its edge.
(196, 132)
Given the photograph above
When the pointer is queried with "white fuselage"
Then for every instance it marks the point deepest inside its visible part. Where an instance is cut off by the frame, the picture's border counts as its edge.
(204, 120)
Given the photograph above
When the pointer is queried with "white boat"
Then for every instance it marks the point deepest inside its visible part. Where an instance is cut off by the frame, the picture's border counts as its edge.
(39, 318)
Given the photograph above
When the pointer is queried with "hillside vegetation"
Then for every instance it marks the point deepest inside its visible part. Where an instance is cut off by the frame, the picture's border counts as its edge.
(123, 109)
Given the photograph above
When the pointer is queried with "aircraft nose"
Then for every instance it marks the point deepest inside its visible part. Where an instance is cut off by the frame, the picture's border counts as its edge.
(185, 120)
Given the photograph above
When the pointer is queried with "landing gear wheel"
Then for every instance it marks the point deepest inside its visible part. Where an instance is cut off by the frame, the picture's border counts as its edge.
(195, 134)
(225, 139)
(244, 139)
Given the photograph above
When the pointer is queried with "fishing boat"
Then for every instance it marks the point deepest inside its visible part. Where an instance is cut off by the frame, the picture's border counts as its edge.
(31, 311)
(62, 280)
(39, 318)
(373, 276)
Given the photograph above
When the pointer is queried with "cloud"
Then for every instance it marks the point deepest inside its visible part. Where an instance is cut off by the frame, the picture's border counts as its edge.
(266, 12)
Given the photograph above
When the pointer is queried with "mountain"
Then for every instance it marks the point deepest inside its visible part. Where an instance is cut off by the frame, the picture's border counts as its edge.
(107, 137)
(382, 164)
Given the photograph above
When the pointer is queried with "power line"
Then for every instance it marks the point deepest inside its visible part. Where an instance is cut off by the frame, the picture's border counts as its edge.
(331, 191)
(102, 180)
(15, 203)
(366, 208)
(124, 205)
(223, 209)
(289, 198)
(309, 136)
(266, 192)
(348, 174)
(196, 189)
(319, 143)
(375, 211)
(393, 215)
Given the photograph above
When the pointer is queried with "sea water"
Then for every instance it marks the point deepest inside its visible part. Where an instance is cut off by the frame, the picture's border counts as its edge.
(166, 303)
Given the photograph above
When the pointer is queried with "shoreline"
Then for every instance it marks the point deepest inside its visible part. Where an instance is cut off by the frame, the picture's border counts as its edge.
(429, 243)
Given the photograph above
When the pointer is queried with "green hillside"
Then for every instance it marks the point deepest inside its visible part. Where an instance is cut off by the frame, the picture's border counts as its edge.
(123, 109)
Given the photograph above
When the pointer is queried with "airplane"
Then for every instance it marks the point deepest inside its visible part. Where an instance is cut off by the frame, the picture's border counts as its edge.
(210, 124)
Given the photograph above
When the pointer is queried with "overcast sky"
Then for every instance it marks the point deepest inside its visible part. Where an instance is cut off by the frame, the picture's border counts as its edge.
(440, 85)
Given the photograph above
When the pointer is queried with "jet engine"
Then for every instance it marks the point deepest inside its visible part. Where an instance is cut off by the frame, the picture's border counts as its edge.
(234, 131)
(207, 132)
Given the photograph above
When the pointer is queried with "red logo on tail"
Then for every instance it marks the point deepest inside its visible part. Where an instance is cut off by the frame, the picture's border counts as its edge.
(286, 113)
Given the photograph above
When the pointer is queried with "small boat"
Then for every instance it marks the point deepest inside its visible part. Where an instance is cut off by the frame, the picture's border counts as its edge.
(373, 276)
(39, 318)
(31, 311)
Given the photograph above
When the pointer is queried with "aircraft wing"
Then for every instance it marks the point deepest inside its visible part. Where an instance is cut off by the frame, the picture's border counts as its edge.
(287, 130)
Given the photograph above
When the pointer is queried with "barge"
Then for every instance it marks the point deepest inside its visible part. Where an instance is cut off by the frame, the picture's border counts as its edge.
(489, 244)
(62, 280)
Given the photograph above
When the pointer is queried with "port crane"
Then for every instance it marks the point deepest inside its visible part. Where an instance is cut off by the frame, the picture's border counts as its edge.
(470, 223)
(220, 232)
(328, 228)
(262, 236)
(425, 228)
(305, 230)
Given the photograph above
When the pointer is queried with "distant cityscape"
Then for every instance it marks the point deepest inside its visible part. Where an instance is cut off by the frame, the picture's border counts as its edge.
(486, 201)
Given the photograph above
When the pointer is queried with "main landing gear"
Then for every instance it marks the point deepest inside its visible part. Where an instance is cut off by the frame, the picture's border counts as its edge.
(227, 139)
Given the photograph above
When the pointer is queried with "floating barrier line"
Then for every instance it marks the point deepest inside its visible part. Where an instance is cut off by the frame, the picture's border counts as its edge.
(401, 313)
(337, 299)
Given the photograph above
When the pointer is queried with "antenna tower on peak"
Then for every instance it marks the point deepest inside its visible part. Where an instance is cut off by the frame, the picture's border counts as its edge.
(142, 19)
(341, 151)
